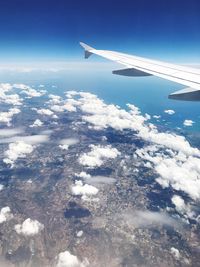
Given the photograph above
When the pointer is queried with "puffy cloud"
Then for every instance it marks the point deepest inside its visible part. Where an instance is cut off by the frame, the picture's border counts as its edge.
(156, 116)
(188, 122)
(66, 259)
(11, 99)
(183, 208)
(17, 150)
(97, 155)
(44, 111)
(102, 116)
(5, 87)
(172, 157)
(79, 233)
(175, 169)
(83, 175)
(83, 189)
(54, 99)
(179, 203)
(5, 214)
(37, 123)
(29, 91)
(66, 143)
(64, 106)
(169, 111)
(6, 117)
(175, 252)
(29, 227)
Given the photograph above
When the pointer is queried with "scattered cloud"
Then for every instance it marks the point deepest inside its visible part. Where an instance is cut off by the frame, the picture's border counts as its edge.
(17, 150)
(175, 169)
(66, 259)
(37, 123)
(183, 208)
(156, 116)
(169, 111)
(29, 91)
(188, 122)
(6, 117)
(101, 116)
(5, 214)
(97, 155)
(66, 143)
(84, 190)
(29, 227)
(44, 111)
(170, 155)
(175, 252)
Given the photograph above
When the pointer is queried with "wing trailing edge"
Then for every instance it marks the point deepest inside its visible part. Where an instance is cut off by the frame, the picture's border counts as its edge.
(131, 72)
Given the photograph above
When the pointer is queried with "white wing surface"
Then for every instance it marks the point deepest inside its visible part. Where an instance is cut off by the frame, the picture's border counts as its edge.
(138, 66)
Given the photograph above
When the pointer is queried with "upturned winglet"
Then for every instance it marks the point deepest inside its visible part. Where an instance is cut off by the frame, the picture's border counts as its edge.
(88, 49)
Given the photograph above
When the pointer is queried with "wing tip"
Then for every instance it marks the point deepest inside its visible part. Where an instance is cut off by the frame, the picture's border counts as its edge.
(187, 94)
(87, 49)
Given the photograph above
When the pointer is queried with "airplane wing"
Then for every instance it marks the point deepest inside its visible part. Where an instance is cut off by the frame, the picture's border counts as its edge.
(139, 66)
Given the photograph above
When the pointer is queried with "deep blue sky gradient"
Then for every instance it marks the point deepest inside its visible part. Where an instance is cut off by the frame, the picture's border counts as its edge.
(51, 29)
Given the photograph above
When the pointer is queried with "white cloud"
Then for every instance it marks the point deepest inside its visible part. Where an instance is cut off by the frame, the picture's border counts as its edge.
(156, 116)
(97, 155)
(169, 111)
(179, 203)
(44, 111)
(37, 123)
(11, 99)
(145, 219)
(1, 187)
(79, 233)
(83, 189)
(30, 139)
(183, 208)
(83, 175)
(102, 116)
(175, 169)
(6, 117)
(173, 158)
(5, 214)
(66, 259)
(175, 252)
(29, 91)
(188, 122)
(54, 99)
(29, 227)
(10, 132)
(66, 143)
(17, 150)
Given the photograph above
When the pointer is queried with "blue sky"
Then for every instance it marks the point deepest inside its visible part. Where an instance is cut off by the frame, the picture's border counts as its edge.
(51, 29)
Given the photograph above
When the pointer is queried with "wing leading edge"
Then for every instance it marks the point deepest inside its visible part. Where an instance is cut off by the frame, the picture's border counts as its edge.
(138, 66)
